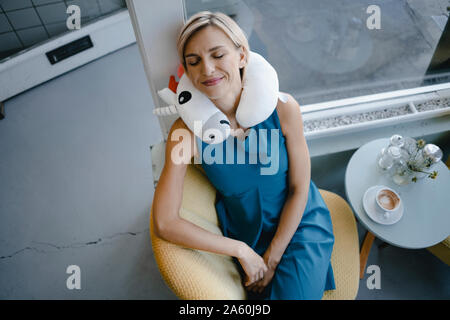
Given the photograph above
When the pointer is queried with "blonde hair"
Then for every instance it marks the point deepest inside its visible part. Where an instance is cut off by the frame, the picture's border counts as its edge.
(218, 19)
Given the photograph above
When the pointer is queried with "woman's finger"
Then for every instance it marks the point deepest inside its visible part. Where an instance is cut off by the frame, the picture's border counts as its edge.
(255, 288)
(252, 280)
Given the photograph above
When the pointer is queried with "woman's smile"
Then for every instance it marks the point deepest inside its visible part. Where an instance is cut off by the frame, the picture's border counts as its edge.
(212, 82)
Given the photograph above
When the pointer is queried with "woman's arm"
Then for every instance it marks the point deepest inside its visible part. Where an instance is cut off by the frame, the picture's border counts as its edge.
(169, 226)
(168, 197)
(299, 180)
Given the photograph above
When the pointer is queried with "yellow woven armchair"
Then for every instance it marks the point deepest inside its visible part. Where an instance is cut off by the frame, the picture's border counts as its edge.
(200, 275)
(442, 249)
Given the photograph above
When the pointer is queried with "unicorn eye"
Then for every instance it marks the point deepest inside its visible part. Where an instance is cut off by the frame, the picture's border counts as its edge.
(184, 97)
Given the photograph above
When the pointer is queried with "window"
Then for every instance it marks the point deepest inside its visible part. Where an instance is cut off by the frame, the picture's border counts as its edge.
(324, 50)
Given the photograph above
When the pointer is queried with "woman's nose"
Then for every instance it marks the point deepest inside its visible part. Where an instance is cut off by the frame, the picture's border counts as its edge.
(207, 67)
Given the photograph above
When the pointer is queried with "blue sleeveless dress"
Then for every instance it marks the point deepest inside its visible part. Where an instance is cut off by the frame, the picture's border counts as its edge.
(252, 186)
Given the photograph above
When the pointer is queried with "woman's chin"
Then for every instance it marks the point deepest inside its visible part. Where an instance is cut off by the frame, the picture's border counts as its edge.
(212, 93)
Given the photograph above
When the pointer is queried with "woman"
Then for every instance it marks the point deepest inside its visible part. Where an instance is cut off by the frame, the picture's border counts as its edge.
(276, 227)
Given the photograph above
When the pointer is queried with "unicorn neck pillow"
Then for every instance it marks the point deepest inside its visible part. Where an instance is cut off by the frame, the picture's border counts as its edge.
(259, 99)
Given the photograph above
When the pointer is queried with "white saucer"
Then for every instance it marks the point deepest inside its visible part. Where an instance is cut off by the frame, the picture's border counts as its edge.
(375, 213)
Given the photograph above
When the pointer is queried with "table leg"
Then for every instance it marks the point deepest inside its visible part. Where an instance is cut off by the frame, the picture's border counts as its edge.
(383, 245)
(364, 254)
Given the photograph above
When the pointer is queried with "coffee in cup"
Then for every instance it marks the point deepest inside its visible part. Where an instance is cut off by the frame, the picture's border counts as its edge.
(387, 200)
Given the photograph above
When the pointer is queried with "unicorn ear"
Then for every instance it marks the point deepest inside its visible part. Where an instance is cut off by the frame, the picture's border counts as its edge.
(168, 96)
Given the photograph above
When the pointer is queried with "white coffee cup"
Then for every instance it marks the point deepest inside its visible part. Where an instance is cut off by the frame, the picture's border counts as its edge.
(387, 200)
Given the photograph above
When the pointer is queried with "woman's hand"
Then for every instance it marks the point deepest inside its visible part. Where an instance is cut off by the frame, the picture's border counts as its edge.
(252, 263)
(259, 286)
(271, 263)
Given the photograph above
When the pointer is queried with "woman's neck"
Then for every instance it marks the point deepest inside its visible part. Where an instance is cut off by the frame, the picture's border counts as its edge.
(228, 103)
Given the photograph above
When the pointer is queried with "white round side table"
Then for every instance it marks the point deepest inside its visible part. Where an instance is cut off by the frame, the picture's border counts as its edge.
(426, 217)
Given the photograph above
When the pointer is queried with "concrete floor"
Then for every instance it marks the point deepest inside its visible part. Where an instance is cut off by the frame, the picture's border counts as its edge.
(76, 185)
(76, 189)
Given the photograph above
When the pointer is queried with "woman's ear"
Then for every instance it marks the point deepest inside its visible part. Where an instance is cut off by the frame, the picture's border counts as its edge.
(242, 57)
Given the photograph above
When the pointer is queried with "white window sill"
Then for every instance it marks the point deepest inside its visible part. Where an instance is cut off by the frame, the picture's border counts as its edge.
(347, 124)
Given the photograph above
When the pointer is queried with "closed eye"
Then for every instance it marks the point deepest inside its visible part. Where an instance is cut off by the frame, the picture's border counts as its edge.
(196, 62)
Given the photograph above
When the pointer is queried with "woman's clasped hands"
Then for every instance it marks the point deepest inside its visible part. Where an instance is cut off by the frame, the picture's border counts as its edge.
(258, 274)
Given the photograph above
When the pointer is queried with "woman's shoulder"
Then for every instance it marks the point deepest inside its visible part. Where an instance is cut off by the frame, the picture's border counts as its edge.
(287, 103)
(180, 135)
(179, 124)
(179, 127)
(288, 111)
